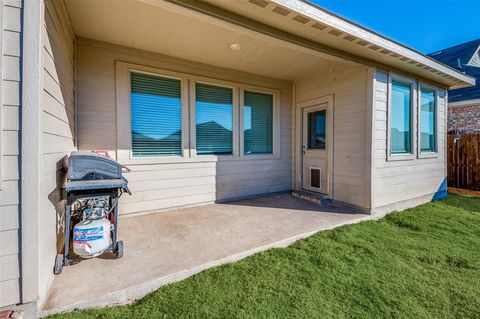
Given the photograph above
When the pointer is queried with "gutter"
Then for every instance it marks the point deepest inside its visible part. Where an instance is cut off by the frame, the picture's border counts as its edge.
(328, 18)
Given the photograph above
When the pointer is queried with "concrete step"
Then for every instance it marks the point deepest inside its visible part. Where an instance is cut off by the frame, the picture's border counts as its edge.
(317, 198)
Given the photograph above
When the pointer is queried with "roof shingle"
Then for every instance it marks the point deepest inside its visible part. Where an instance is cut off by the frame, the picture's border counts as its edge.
(458, 57)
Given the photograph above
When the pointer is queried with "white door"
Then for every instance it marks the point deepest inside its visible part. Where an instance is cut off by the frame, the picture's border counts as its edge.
(316, 146)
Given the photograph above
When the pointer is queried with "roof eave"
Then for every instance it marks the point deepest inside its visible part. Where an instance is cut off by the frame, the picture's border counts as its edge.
(454, 79)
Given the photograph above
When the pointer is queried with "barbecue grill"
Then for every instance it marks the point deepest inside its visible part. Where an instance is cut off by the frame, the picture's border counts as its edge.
(93, 189)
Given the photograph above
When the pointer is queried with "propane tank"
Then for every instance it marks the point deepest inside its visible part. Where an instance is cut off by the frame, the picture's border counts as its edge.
(91, 237)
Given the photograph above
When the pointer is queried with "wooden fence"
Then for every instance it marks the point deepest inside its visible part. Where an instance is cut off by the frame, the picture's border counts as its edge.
(464, 161)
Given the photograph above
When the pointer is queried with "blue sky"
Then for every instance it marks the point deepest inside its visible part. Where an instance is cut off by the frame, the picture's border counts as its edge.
(424, 25)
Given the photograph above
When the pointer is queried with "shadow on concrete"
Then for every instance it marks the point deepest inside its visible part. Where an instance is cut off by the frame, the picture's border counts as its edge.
(285, 201)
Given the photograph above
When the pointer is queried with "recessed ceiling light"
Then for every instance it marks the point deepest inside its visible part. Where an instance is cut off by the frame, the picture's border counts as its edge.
(235, 46)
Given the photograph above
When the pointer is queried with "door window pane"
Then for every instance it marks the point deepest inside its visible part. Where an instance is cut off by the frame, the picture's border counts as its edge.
(257, 123)
(156, 116)
(317, 122)
(401, 119)
(214, 119)
(427, 121)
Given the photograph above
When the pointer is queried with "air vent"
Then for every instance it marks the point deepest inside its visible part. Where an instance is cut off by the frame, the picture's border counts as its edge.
(260, 3)
(412, 62)
(362, 43)
(396, 55)
(335, 32)
(301, 19)
(315, 177)
(404, 59)
(319, 26)
(374, 47)
(281, 11)
(385, 51)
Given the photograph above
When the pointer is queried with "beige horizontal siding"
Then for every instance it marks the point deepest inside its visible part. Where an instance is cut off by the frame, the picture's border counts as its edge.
(348, 84)
(400, 181)
(165, 186)
(58, 129)
(10, 112)
(10, 292)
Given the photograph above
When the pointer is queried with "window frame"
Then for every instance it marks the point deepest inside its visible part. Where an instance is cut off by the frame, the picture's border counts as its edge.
(275, 125)
(123, 147)
(392, 77)
(193, 118)
(435, 90)
(124, 113)
(184, 142)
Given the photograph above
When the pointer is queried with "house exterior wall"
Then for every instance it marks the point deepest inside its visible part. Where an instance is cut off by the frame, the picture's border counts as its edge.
(10, 113)
(465, 118)
(160, 186)
(348, 84)
(404, 183)
(57, 131)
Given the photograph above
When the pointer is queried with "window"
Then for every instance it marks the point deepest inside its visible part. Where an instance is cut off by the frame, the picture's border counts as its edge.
(401, 118)
(428, 121)
(175, 117)
(317, 122)
(156, 116)
(257, 123)
(214, 119)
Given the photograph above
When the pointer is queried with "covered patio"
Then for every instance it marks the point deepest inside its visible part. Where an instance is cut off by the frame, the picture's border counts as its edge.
(205, 103)
(170, 246)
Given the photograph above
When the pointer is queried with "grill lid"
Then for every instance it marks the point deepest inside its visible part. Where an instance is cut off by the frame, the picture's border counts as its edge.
(88, 166)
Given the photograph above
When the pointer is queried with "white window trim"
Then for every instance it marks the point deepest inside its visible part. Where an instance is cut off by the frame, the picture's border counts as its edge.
(275, 125)
(433, 154)
(123, 111)
(193, 118)
(124, 129)
(413, 124)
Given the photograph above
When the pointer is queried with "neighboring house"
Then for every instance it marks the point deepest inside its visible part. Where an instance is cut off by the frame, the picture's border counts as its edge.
(206, 101)
(464, 103)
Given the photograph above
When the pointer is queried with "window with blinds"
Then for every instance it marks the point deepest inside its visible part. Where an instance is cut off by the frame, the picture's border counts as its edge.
(156, 116)
(401, 118)
(214, 119)
(428, 121)
(257, 123)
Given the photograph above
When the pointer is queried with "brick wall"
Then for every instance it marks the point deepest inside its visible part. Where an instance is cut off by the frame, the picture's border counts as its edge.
(464, 118)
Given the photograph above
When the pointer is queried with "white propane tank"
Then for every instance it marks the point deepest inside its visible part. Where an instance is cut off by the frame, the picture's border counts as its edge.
(91, 237)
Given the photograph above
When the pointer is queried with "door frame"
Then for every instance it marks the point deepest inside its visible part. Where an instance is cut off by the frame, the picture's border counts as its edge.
(298, 152)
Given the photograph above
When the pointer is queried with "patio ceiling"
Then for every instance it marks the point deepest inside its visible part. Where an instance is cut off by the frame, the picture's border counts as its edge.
(307, 24)
(174, 31)
(283, 39)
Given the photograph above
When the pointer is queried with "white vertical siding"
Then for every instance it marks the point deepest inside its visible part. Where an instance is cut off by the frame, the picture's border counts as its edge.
(349, 85)
(164, 186)
(10, 30)
(58, 128)
(400, 184)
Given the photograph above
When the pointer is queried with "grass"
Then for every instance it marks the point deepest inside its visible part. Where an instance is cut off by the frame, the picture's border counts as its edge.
(420, 263)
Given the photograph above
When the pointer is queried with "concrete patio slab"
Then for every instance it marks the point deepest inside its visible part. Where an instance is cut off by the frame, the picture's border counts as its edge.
(169, 246)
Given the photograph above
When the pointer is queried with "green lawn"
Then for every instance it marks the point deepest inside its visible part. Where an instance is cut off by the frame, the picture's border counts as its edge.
(420, 263)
